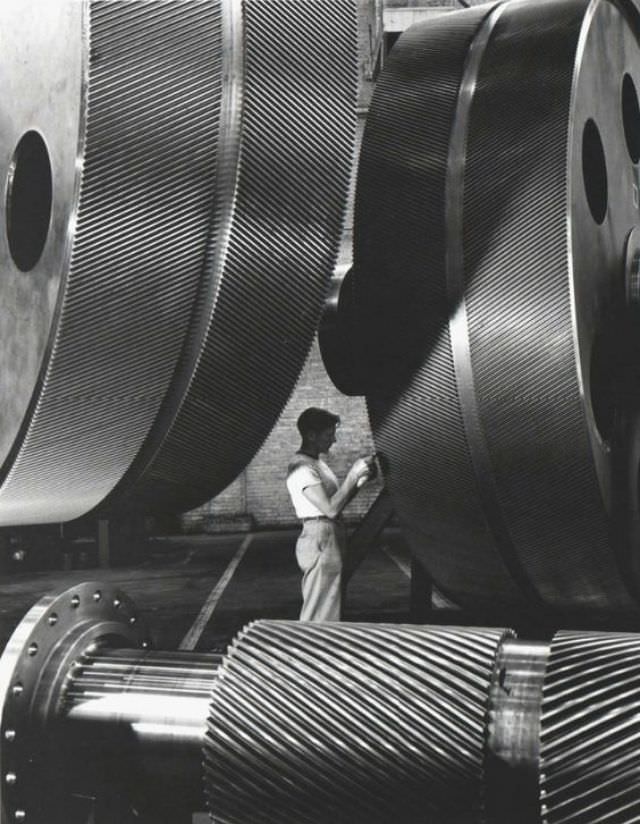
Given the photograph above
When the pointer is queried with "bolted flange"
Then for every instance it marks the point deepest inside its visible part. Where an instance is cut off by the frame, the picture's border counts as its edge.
(35, 665)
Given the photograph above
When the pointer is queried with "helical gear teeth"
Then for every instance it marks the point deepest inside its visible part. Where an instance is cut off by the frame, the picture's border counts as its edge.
(590, 730)
(350, 723)
(476, 331)
(278, 231)
(399, 274)
(138, 244)
(215, 158)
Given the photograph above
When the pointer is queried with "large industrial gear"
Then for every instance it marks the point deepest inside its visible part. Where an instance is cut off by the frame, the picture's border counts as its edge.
(493, 300)
(382, 723)
(313, 722)
(177, 179)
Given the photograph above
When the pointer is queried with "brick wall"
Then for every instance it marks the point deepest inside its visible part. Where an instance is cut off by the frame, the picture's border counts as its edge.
(260, 492)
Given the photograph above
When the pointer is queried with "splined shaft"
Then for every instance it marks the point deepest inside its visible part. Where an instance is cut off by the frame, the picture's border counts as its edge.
(315, 723)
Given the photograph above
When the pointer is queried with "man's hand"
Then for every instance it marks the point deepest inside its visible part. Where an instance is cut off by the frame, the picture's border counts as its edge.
(364, 470)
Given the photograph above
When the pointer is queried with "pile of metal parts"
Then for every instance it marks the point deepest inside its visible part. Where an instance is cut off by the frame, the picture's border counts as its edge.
(313, 723)
(177, 174)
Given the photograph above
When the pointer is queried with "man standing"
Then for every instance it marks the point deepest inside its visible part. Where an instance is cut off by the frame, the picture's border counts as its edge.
(318, 500)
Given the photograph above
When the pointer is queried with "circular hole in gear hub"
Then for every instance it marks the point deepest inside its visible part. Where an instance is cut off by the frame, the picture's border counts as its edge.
(631, 117)
(29, 200)
(594, 171)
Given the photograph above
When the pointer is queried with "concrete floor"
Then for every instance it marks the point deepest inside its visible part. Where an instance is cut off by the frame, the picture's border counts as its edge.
(180, 575)
(177, 575)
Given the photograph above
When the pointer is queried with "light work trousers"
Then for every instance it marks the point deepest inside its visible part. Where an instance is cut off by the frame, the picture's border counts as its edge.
(319, 552)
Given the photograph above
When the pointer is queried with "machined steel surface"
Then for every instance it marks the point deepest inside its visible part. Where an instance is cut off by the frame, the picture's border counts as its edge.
(495, 328)
(199, 155)
(134, 726)
(287, 140)
(37, 769)
(590, 729)
(126, 242)
(314, 722)
(513, 731)
(350, 722)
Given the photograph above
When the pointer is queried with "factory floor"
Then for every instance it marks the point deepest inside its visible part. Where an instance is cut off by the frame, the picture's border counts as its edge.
(200, 590)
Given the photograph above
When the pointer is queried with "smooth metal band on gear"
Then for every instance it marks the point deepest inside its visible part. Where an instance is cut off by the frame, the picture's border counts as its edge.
(590, 729)
(399, 275)
(278, 224)
(200, 219)
(497, 345)
(343, 723)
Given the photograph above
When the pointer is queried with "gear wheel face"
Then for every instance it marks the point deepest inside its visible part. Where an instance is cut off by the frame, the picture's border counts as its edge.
(198, 174)
(41, 140)
(130, 222)
(494, 204)
(350, 722)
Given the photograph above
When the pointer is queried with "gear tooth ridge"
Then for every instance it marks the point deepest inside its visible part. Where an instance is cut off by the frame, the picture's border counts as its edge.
(590, 729)
(296, 138)
(347, 722)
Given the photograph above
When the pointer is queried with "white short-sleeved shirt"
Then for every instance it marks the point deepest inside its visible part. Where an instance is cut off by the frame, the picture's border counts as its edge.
(303, 472)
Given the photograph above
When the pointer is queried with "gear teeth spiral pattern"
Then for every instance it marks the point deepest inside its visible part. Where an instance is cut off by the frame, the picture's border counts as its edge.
(266, 288)
(590, 730)
(399, 274)
(465, 284)
(138, 248)
(519, 282)
(350, 723)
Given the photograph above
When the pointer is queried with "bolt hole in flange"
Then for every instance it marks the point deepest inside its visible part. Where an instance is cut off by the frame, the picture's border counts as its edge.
(631, 117)
(594, 171)
(29, 200)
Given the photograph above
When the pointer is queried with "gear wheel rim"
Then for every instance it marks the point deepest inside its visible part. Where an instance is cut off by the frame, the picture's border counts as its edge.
(496, 548)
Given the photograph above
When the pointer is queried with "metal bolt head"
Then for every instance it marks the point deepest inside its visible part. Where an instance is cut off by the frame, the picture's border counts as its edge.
(10, 778)
(75, 601)
(9, 735)
(117, 603)
(33, 649)
(52, 620)
(97, 595)
(17, 689)
(20, 815)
